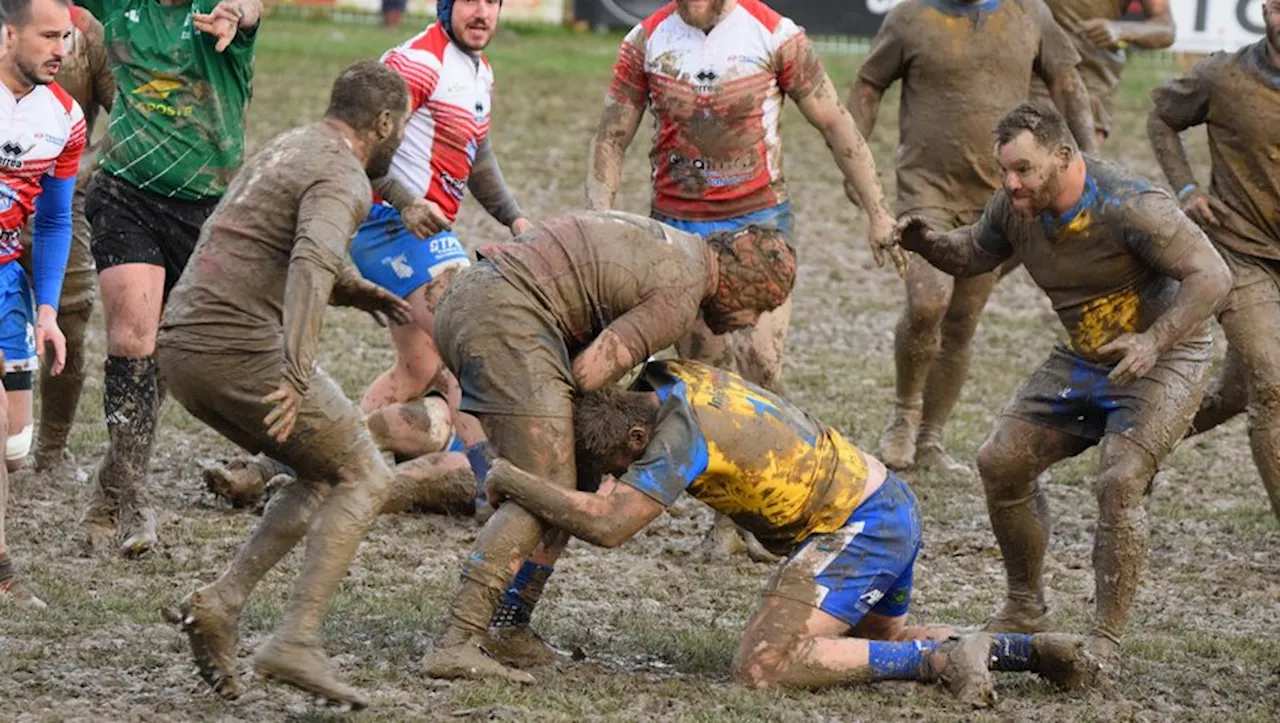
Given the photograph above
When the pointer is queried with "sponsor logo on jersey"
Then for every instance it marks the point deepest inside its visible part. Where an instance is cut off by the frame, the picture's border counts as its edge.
(157, 94)
(11, 153)
(158, 89)
(456, 187)
(8, 197)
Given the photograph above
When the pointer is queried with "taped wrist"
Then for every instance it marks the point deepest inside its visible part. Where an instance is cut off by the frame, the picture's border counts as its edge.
(516, 607)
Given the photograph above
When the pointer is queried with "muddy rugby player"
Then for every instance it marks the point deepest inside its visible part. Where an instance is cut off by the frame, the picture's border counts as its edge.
(567, 308)
(835, 611)
(715, 74)
(44, 136)
(237, 346)
(1237, 96)
(1134, 282)
(963, 64)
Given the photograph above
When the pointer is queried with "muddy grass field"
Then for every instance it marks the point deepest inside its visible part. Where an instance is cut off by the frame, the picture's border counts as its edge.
(655, 626)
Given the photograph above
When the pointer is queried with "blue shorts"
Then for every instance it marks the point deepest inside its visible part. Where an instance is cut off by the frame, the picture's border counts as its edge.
(17, 319)
(778, 217)
(391, 257)
(865, 566)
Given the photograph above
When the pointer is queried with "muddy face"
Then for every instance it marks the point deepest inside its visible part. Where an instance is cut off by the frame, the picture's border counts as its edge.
(701, 14)
(1271, 19)
(1030, 173)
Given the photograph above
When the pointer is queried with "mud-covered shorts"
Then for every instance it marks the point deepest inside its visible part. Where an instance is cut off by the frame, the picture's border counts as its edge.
(133, 226)
(225, 391)
(864, 567)
(505, 349)
(1254, 281)
(1073, 395)
(389, 255)
(778, 217)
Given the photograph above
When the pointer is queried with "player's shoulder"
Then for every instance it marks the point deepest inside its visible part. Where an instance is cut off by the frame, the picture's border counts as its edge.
(768, 18)
(649, 26)
(62, 98)
(427, 47)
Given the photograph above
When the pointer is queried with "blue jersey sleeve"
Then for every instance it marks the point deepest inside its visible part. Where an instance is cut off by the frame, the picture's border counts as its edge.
(51, 238)
(675, 457)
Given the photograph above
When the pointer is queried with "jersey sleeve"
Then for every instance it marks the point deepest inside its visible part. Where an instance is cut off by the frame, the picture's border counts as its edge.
(990, 231)
(630, 85)
(419, 74)
(887, 60)
(654, 324)
(1156, 230)
(1183, 102)
(799, 68)
(1057, 54)
(675, 457)
(67, 164)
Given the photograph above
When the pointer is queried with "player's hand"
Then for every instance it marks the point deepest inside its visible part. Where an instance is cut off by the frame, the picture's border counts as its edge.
(380, 303)
(882, 238)
(222, 23)
(913, 234)
(48, 333)
(284, 411)
(1199, 206)
(493, 491)
(424, 219)
(1138, 354)
(520, 225)
(1100, 32)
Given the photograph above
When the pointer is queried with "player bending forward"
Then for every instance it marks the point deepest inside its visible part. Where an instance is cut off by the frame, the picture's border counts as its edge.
(835, 611)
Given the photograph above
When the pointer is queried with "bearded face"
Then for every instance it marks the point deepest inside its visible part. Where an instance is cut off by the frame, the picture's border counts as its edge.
(701, 14)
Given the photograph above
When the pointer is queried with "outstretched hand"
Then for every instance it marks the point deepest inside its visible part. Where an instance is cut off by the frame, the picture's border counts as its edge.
(367, 296)
(222, 23)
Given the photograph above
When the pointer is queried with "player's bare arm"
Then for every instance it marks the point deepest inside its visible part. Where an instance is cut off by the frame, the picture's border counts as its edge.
(1155, 32)
(1164, 133)
(1205, 282)
(956, 252)
(228, 18)
(822, 108)
(490, 189)
(603, 362)
(605, 518)
(617, 129)
(1072, 100)
(864, 104)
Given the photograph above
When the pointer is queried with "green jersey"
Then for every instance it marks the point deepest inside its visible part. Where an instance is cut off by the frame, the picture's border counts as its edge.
(177, 127)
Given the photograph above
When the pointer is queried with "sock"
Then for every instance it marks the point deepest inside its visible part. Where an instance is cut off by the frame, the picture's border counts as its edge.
(7, 570)
(899, 661)
(455, 444)
(272, 467)
(516, 607)
(478, 456)
(1012, 653)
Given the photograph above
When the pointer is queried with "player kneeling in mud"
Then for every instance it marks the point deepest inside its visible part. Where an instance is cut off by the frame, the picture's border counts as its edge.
(835, 611)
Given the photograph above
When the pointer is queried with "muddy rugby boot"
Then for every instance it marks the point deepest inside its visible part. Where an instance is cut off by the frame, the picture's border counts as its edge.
(519, 646)
(933, 457)
(240, 482)
(305, 667)
(1016, 617)
(1104, 648)
(14, 591)
(101, 519)
(898, 442)
(137, 531)
(963, 665)
(213, 636)
(1065, 661)
(51, 460)
(469, 660)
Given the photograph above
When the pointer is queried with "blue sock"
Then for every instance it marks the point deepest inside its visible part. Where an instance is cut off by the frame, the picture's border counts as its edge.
(516, 607)
(478, 456)
(1012, 653)
(899, 661)
(455, 444)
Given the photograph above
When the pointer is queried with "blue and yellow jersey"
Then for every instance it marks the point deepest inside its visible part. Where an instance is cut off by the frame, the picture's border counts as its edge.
(747, 453)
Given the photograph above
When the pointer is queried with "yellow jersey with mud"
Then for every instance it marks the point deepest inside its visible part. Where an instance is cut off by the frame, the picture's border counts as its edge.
(747, 453)
(1106, 262)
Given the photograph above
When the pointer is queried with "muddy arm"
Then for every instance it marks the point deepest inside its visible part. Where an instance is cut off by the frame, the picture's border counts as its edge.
(1170, 153)
(1204, 276)
(1156, 32)
(490, 188)
(864, 104)
(606, 518)
(1072, 100)
(395, 193)
(1177, 105)
(848, 147)
(617, 129)
(960, 253)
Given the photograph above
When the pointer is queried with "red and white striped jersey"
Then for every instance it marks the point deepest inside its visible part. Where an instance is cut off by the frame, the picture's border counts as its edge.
(43, 133)
(716, 99)
(451, 94)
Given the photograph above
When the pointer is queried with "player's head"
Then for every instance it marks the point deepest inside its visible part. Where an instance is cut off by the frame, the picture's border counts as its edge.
(1271, 19)
(611, 428)
(372, 100)
(757, 271)
(469, 23)
(36, 35)
(1034, 147)
(701, 14)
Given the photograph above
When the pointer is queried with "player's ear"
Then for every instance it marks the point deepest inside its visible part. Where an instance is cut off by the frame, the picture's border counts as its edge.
(638, 438)
(386, 125)
(1063, 156)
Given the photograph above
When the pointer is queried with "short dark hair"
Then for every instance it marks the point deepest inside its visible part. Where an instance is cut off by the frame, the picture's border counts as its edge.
(18, 12)
(363, 91)
(602, 420)
(1043, 122)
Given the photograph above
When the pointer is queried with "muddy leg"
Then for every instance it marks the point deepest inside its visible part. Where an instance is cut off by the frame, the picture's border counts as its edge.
(947, 374)
(1228, 394)
(11, 587)
(1251, 332)
(542, 446)
(916, 343)
(512, 639)
(438, 482)
(293, 654)
(1009, 462)
(1125, 471)
(412, 429)
(130, 403)
(60, 395)
(418, 362)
